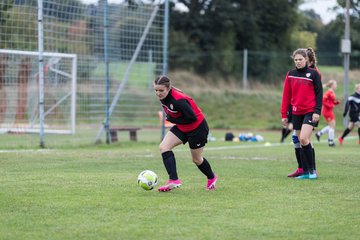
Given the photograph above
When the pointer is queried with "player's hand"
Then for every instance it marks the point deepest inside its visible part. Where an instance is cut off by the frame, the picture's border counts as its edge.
(284, 122)
(315, 117)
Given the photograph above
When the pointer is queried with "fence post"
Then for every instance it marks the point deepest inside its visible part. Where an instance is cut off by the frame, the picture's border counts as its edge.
(245, 68)
(41, 70)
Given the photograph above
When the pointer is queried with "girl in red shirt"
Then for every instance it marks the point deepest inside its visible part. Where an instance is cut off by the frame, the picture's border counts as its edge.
(329, 101)
(190, 126)
(303, 90)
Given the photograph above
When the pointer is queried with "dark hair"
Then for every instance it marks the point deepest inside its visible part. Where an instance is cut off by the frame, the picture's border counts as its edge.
(162, 80)
(301, 51)
(311, 56)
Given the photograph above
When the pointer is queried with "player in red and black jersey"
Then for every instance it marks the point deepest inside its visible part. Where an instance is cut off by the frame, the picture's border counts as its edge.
(353, 107)
(303, 90)
(190, 126)
(312, 63)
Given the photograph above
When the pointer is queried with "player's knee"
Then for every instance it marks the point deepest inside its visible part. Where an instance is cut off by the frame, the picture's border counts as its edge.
(304, 141)
(197, 161)
(163, 147)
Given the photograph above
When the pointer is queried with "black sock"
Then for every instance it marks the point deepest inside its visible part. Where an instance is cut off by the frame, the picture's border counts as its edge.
(287, 133)
(170, 164)
(359, 133)
(346, 132)
(307, 158)
(205, 168)
(284, 133)
(313, 152)
(298, 157)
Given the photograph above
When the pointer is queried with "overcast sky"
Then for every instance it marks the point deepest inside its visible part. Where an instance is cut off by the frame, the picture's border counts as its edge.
(321, 7)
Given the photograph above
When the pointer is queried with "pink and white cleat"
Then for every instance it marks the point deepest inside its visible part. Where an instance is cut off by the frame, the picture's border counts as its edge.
(211, 184)
(170, 185)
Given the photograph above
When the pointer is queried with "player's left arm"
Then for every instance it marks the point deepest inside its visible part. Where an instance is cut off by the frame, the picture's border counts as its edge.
(318, 89)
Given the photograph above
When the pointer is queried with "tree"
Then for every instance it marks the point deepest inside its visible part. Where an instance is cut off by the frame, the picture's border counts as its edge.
(219, 30)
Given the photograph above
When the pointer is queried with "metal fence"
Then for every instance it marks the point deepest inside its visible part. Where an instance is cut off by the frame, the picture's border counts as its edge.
(119, 44)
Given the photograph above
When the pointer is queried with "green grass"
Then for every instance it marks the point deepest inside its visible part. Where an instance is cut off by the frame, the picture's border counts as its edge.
(139, 76)
(90, 192)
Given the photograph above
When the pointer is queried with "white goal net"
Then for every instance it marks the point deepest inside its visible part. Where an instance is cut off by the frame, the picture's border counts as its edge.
(19, 92)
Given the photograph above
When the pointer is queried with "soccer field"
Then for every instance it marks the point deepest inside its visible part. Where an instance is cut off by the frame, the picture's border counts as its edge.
(90, 192)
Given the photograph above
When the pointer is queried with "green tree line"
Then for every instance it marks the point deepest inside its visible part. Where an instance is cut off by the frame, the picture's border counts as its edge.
(211, 36)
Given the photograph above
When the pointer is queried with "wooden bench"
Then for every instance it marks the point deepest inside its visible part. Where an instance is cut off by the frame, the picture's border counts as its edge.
(132, 133)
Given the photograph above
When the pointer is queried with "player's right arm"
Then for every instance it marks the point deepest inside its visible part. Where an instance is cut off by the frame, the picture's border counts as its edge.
(286, 97)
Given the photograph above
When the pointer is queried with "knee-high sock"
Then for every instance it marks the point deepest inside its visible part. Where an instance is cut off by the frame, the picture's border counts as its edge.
(346, 132)
(298, 157)
(359, 132)
(205, 168)
(284, 133)
(331, 134)
(170, 164)
(324, 130)
(314, 159)
(307, 158)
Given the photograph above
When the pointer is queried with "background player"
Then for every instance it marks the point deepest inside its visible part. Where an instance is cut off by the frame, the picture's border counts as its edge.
(329, 101)
(353, 106)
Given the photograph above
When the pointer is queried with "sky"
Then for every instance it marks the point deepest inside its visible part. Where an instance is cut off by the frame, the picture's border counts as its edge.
(321, 7)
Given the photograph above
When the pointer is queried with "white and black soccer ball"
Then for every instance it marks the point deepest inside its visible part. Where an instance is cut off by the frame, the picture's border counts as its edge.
(147, 179)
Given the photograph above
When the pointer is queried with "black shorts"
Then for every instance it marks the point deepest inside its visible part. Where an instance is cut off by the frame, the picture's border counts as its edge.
(290, 117)
(196, 138)
(354, 117)
(299, 120)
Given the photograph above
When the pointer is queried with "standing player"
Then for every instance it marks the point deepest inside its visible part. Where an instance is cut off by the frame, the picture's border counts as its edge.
(303, 90)
(190, 126)
(312, 63)
(353, 106)
(329, 101)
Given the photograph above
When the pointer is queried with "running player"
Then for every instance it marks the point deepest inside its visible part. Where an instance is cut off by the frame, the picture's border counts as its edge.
(190, 126)
(353, 106)
(303, 90)
(329, 101)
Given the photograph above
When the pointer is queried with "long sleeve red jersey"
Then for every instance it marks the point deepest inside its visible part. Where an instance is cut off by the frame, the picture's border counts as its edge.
(303, 91)
(329, 101)
(182, 110)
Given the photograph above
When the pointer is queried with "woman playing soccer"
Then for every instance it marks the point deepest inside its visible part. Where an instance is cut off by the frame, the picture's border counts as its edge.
(329, 101)
(303, 90)
(353, 106)
(190, 126)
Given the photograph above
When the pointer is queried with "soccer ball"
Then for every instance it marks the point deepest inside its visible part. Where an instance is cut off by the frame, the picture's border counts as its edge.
(147, 179)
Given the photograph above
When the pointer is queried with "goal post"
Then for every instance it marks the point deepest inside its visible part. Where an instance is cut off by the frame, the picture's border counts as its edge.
(19, 92)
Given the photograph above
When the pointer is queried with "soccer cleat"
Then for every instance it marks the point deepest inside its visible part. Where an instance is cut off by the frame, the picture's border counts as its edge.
(341, 140)
(170, 185)
(211, 184)
(296, 173)
(304, 176)
(332, 144)
(317, 135)
(313, 176)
